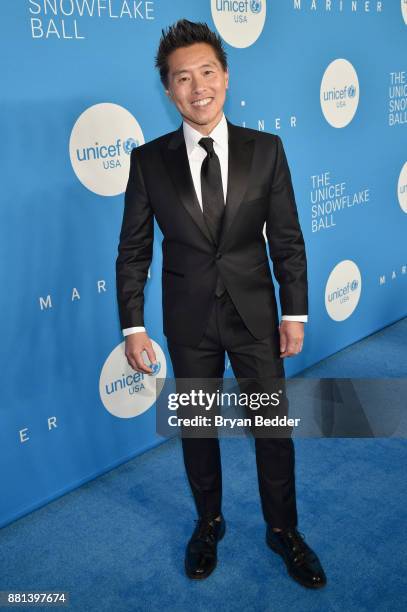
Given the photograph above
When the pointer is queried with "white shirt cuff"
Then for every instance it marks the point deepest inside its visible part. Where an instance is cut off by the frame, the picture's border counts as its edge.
(133, 330)
(299, 318)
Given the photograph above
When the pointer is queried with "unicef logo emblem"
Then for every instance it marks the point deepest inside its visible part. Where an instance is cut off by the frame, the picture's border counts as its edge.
(129, 145)
(339, 93)
(126, 393)
(255, 6)
(239, 22)
(156, 367)
(100, 146)
(341, 294)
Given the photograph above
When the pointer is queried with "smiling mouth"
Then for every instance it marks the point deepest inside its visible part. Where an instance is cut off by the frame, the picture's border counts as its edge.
(203, 102)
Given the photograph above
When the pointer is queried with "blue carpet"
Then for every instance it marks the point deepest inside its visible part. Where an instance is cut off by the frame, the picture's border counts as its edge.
(117, 543)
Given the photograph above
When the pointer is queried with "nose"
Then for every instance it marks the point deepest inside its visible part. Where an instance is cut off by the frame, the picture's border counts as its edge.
(198, 84)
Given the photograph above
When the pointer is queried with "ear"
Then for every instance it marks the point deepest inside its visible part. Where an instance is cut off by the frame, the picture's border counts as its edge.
(227, 79)
(168, 93)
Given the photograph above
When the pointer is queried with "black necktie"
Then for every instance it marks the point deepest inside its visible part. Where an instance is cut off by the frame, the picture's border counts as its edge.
(213, 202)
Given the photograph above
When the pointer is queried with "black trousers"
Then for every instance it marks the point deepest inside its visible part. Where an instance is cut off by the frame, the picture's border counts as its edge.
(249, 358)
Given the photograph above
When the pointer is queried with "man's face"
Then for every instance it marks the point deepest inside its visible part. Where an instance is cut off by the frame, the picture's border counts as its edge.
(197, 85)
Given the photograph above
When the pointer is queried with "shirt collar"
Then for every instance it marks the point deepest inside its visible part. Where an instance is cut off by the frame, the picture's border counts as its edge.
(219, 135)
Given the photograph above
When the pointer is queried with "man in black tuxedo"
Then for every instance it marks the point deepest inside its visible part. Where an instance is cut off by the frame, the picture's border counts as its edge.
(212, 186)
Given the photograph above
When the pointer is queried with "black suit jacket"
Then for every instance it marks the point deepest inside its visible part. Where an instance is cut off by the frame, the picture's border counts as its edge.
(259, 192)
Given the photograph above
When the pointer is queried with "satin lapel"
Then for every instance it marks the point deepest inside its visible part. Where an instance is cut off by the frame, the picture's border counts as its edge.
(177, 164)
(241, 147)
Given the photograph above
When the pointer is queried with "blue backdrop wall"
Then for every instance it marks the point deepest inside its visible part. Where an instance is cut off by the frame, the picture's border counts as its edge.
(79, 90)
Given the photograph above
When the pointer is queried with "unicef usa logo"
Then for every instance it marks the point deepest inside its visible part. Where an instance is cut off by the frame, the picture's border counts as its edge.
(100, 145)
(342, 291)
(402, 188)
(126, 393)
(108, 154)
(239, 22)
(339, 94)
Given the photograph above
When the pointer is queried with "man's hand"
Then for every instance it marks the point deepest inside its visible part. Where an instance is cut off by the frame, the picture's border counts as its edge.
(135, 344)
(291, 338)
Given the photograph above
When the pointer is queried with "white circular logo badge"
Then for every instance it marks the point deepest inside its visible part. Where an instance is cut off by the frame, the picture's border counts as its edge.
(339, 93)
(100, 146)
(239, 22)
(404, 10)
(402, 188)
(126, 393)
(342, 291)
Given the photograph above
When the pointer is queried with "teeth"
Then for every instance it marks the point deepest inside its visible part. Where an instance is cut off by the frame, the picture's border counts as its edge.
(203, 102)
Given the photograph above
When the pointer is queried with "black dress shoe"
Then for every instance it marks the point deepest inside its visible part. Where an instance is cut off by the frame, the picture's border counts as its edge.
(302, 563)
(201, 557)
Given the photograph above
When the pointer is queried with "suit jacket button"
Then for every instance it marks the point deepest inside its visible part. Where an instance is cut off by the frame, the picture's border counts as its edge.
(218, 255)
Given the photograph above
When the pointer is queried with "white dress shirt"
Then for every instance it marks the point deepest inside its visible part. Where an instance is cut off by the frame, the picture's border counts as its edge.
(196, 155)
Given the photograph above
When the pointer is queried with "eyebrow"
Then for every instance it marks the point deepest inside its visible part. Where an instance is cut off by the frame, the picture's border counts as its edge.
(182, 70)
